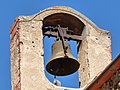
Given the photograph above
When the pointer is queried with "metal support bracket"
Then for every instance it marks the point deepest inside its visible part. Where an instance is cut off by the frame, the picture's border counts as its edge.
(60, 33)
(67, 34)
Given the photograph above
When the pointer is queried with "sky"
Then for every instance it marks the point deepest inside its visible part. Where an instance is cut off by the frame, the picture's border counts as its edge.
(104, 13)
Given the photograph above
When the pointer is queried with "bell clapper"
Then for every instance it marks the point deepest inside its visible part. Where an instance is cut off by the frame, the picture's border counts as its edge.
(56, 82)
(54, 76)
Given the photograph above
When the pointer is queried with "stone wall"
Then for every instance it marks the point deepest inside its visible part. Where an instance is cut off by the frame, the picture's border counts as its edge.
(94, 53)
(27, 63)
(15, 57)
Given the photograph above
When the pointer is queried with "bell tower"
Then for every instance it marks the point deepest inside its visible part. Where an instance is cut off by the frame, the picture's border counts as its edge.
(27, 51)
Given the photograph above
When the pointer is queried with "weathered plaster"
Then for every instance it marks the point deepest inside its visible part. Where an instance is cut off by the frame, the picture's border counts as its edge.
(94, 52)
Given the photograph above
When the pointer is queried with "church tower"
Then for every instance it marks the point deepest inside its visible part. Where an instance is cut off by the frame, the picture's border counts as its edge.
(27, 49)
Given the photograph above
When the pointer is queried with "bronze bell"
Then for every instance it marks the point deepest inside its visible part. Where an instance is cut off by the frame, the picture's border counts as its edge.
(59, 64)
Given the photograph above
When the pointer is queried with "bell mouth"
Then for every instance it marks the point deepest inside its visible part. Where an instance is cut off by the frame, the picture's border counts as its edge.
(62, 66)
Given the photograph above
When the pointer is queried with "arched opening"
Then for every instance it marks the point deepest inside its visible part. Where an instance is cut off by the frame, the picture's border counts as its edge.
(65, 20)
(76, 27)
